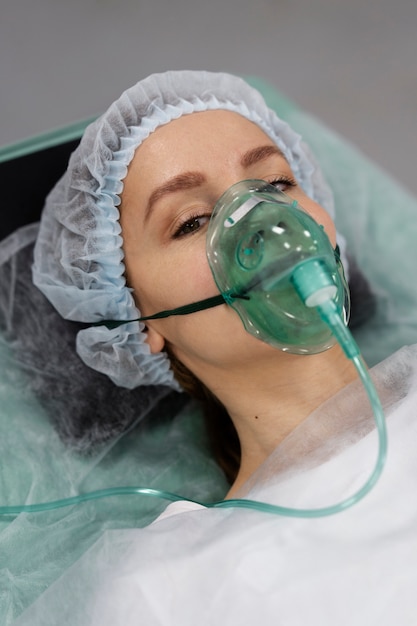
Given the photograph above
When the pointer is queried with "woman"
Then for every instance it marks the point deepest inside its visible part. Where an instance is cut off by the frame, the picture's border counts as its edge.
(123, 232)
(183, 169)
(162, 156)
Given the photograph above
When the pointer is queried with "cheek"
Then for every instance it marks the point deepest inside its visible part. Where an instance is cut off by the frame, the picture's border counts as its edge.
(174, 284)
(167, 281)
(321, 216)
(191, 279)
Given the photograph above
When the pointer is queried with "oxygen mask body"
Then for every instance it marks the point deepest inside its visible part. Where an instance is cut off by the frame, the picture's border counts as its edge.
(273, 264)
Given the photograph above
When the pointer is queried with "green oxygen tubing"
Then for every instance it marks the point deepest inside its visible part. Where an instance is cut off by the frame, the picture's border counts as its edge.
(276, 267)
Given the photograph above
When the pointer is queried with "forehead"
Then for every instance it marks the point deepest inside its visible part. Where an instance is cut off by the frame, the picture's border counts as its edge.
(206, 126)
(195, 140)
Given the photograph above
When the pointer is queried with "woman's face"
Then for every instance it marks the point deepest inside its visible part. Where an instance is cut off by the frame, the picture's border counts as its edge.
(172, 185)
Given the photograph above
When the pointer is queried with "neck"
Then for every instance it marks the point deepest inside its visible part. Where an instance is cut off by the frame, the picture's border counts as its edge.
(266, 403)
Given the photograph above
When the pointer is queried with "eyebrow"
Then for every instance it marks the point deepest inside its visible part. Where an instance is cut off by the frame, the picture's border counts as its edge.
(187, 180)
(253, 156)
(191, 180)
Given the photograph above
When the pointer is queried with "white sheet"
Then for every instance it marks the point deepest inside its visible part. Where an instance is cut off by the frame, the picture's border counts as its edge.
(238, 567)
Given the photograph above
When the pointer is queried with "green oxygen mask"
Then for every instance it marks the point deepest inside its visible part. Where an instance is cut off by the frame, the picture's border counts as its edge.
(263, 250)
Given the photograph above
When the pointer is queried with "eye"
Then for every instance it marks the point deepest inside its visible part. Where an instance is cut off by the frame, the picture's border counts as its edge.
(283, 183)
(191, 225)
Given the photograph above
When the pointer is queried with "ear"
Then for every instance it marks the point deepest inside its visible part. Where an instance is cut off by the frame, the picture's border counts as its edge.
(155, 340)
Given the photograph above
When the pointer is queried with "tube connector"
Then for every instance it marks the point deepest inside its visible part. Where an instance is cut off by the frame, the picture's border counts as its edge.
(313, 283)
(315, 286)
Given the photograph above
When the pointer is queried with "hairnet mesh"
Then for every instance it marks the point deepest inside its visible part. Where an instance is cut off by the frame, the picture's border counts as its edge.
(78, 260)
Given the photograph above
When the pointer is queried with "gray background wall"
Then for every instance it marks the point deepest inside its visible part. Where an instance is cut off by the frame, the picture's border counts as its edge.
(352, 63)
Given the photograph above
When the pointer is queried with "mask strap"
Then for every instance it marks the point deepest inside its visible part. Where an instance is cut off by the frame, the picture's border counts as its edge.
(201, 305)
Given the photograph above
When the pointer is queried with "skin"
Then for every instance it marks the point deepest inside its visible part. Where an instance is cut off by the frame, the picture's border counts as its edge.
(267, 392)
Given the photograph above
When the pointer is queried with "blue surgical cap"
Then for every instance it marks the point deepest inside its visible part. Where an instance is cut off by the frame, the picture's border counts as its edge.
(78, 259)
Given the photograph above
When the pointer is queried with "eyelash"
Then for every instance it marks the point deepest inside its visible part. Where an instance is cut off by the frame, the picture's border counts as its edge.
(286, 181)
(282, 183)
(179, 232)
